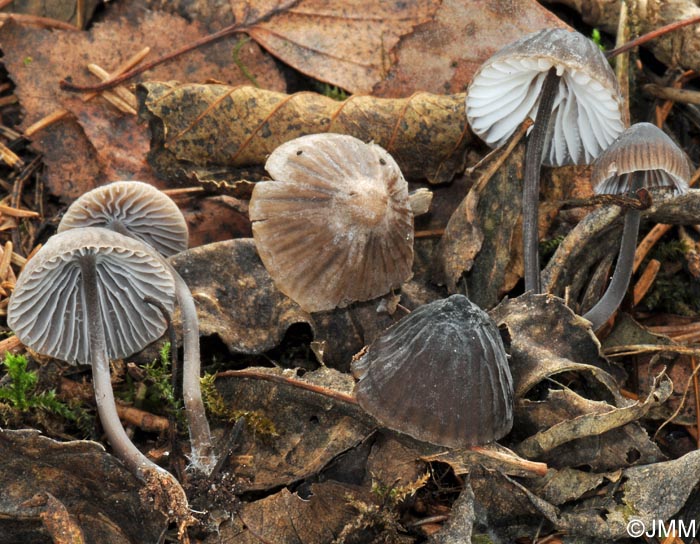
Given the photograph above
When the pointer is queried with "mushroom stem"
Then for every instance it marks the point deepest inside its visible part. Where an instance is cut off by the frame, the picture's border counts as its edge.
(202, 455)
(531, 184)
(611, 299)
(123, 448)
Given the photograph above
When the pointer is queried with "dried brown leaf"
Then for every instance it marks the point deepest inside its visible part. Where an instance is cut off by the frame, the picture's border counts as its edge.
(96, 143)
(311, 428)
(84, 489)
(442, 55)
(200, 126)
(348, 43)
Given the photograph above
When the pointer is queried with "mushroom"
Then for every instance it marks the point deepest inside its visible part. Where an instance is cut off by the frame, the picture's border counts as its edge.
(335, 226)
(439, 375)
(641, 157)
(81, 299)
(564, 83)
(141, 211)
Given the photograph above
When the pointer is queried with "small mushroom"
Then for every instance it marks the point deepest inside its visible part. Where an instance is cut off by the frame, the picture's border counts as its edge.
(550, 74)
(641, 157)
(336, 225)
(81, 299)
(439, 375)
(141, 211)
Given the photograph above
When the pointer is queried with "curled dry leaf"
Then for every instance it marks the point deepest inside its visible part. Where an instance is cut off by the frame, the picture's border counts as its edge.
(593, 424)
(97, 493)
(586, 244)
(201, 126)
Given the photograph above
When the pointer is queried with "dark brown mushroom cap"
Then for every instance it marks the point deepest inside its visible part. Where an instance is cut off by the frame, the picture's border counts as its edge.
(587, 112)
(439, 375)
(641, 148)
(336, 226)
(144, 211)
(46, 307)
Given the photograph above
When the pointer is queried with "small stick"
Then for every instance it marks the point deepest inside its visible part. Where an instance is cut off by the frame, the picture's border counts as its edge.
(656, 233)
(645, 281)
(43, 22)
(119, 97)
(57, 115)
(5, 259)
(44, 122)
(671, 93)
(224, 32)
(9, 157)
(657, 32)
(17, 212)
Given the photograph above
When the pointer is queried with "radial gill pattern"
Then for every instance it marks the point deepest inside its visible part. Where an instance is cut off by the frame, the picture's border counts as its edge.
(587, 112)
(137, 207)
(645, 149)
(335, 226)
(439, 375)
(46, 309)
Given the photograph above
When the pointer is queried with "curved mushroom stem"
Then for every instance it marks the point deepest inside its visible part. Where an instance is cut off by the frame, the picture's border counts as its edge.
(202, 454)
(611, 299)
(123, 447)
(531, 184)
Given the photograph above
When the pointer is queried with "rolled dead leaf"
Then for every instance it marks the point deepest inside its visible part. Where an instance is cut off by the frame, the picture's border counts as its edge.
(202, 126)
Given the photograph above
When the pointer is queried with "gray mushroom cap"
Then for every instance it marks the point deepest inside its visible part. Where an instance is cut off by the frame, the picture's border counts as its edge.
(641, 148)
(587, 113)
(46, 308)
(147, 213)
(439, 375)
(336, 225)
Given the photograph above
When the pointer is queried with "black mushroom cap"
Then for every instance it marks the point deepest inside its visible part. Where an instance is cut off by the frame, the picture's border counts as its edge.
(135, 207)
(439, 375)
(46, 309)
(587, 110)
(643, 147)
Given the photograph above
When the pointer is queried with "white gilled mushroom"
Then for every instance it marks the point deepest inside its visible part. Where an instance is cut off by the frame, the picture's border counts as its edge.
(140, 211)
(439, 375)
(336, 225)
(564, 83)
(81, 299)
(642, 157)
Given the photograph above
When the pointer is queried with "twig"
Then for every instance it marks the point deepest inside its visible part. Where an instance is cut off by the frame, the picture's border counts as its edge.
(644, 38)
(694, 366)
(224, 32)
(645, 281)
(671, 93)
(656, 233)
(44, 22)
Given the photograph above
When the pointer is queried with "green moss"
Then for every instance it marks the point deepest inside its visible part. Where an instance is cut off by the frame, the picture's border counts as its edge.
(21, 394)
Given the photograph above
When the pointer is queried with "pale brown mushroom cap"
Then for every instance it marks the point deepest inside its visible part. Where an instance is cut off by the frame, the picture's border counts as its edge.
(587, 113)
(335, 226)
(46, 308)
(145, 212)
(641, 148)
(439, 375)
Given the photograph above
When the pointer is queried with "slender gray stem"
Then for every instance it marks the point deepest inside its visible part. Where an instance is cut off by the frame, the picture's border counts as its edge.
(202, 454)
(531, 184)
(123, 448)
(611, 299)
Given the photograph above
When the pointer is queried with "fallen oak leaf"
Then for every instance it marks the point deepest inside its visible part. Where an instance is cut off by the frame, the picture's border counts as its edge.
(348, 43)
(198, 126)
